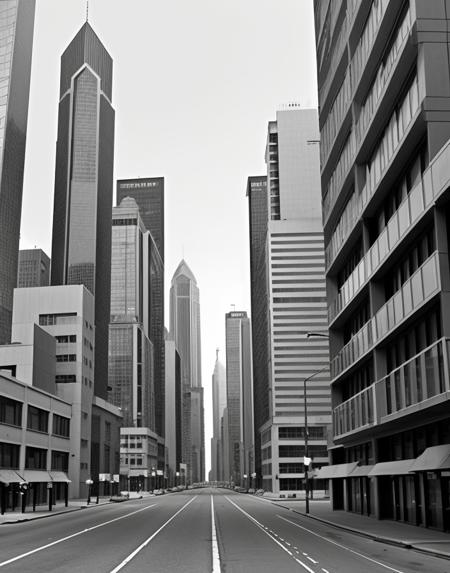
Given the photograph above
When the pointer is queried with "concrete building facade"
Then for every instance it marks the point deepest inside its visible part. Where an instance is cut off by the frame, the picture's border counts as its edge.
(384, 93)
(297, 303)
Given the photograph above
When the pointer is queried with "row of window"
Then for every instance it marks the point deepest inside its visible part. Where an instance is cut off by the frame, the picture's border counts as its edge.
(35, 458)
(296, 432)
(37, 419)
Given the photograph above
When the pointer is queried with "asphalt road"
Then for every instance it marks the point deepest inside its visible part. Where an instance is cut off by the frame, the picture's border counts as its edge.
(205, 530)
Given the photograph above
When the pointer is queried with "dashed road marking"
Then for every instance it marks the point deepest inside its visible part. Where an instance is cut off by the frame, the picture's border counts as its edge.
(215, 547)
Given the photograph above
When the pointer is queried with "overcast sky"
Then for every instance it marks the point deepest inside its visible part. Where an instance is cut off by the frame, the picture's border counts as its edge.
(195, 83)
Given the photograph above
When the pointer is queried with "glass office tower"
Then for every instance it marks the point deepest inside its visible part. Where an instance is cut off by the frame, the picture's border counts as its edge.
(16, 41)
(81, 240)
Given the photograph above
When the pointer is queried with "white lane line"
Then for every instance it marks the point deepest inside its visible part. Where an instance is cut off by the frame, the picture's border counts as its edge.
(324, 570)
(215, 547)
(73, 535)
(312, 560)
(341, 546)
(258, 524)
(147, 541)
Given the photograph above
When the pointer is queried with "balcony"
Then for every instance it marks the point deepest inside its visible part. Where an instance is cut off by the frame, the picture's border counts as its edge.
(415, 292)
(420, 382)
(413, 207)
(396, 132)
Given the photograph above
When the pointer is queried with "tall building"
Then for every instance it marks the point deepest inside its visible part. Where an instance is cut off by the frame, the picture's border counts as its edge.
(185, 330)
(384, 95)
(219, 403)
(131, 353)
(258, 207)
(34, 268)
(239, 380)
(149, 196)
(81, 239)
(297, 303)
(16, 38)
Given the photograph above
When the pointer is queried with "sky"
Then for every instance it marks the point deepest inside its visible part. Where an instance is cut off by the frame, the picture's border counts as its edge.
(195, 83)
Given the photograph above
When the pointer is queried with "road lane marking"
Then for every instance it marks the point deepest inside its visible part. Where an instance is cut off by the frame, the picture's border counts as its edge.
(73, 535)
(215, 547)
(341, 546)
(147, 541)
(261, 527)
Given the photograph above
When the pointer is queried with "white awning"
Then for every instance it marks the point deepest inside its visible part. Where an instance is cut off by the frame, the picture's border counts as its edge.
(335, 471)
(36, 476)
(433, 458)
(60, 477)
(10, 476)
(137, 473)
(394, 468)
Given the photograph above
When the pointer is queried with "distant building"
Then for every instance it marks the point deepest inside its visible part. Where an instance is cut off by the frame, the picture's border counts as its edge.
(258, 207)
(81, 237)
(16, 38)
(131, 354)
(33, 269)
(219, 403)
(139, 459)
(239, 382)
(149, 196)
(185, 330)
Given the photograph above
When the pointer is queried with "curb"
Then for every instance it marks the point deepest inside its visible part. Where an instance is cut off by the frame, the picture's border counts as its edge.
(71, 510)
(373, 536)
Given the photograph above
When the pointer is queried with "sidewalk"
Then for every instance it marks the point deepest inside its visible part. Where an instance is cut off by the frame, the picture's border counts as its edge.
(42, 510)
(428, 541)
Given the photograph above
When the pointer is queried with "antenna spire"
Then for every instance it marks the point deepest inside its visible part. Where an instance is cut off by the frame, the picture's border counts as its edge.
(87, 10)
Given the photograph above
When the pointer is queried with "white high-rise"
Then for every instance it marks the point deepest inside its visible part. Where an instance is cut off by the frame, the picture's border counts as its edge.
(219, 403)
(297, 301)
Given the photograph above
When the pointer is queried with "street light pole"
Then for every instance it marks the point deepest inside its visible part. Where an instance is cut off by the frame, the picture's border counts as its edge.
(306, 459)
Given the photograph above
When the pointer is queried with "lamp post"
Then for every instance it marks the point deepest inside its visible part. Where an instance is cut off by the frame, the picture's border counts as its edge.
(306, 459)
(177, 475)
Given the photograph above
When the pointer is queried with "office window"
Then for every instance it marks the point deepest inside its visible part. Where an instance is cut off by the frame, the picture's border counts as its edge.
(35, 458)
(10, 411)
(61, 426)
(37, 419)
(9, 455)
(60, 461)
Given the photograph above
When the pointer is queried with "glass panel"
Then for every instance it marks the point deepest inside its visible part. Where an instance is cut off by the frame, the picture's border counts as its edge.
(407, 298)
(427, 187)
(429, 277)
(383, 244)
(417, 289)
(398, 390)
(432, 372)
(393, 231)
(416, 202)
(407, 376)
(388, 396)
(398, 306)
(418, 379)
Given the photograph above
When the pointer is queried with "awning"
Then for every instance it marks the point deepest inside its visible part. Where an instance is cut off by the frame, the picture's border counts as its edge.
(361, 471)
(335, 471)
(433, 458)
(36, 476)
(395, 468)
(10, 476)
(137, 473)
(60, 477)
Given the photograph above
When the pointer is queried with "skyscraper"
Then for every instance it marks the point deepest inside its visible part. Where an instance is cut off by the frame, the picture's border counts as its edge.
(258, 207)
(219, 403)
(239, 378)
(34, 268)
(16, 38)
(297, 302)
(149, 196)
(130, 349)
(81, 239)
(384, 96)
(185, 330)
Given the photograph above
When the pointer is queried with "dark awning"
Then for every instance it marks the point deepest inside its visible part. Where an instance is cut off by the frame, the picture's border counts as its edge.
(335, 471)
(394, 468)
(361, 471)
(60, 477)
(10, 476)
(433, 458)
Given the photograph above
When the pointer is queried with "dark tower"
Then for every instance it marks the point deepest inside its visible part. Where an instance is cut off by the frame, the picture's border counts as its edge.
(81, 241)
